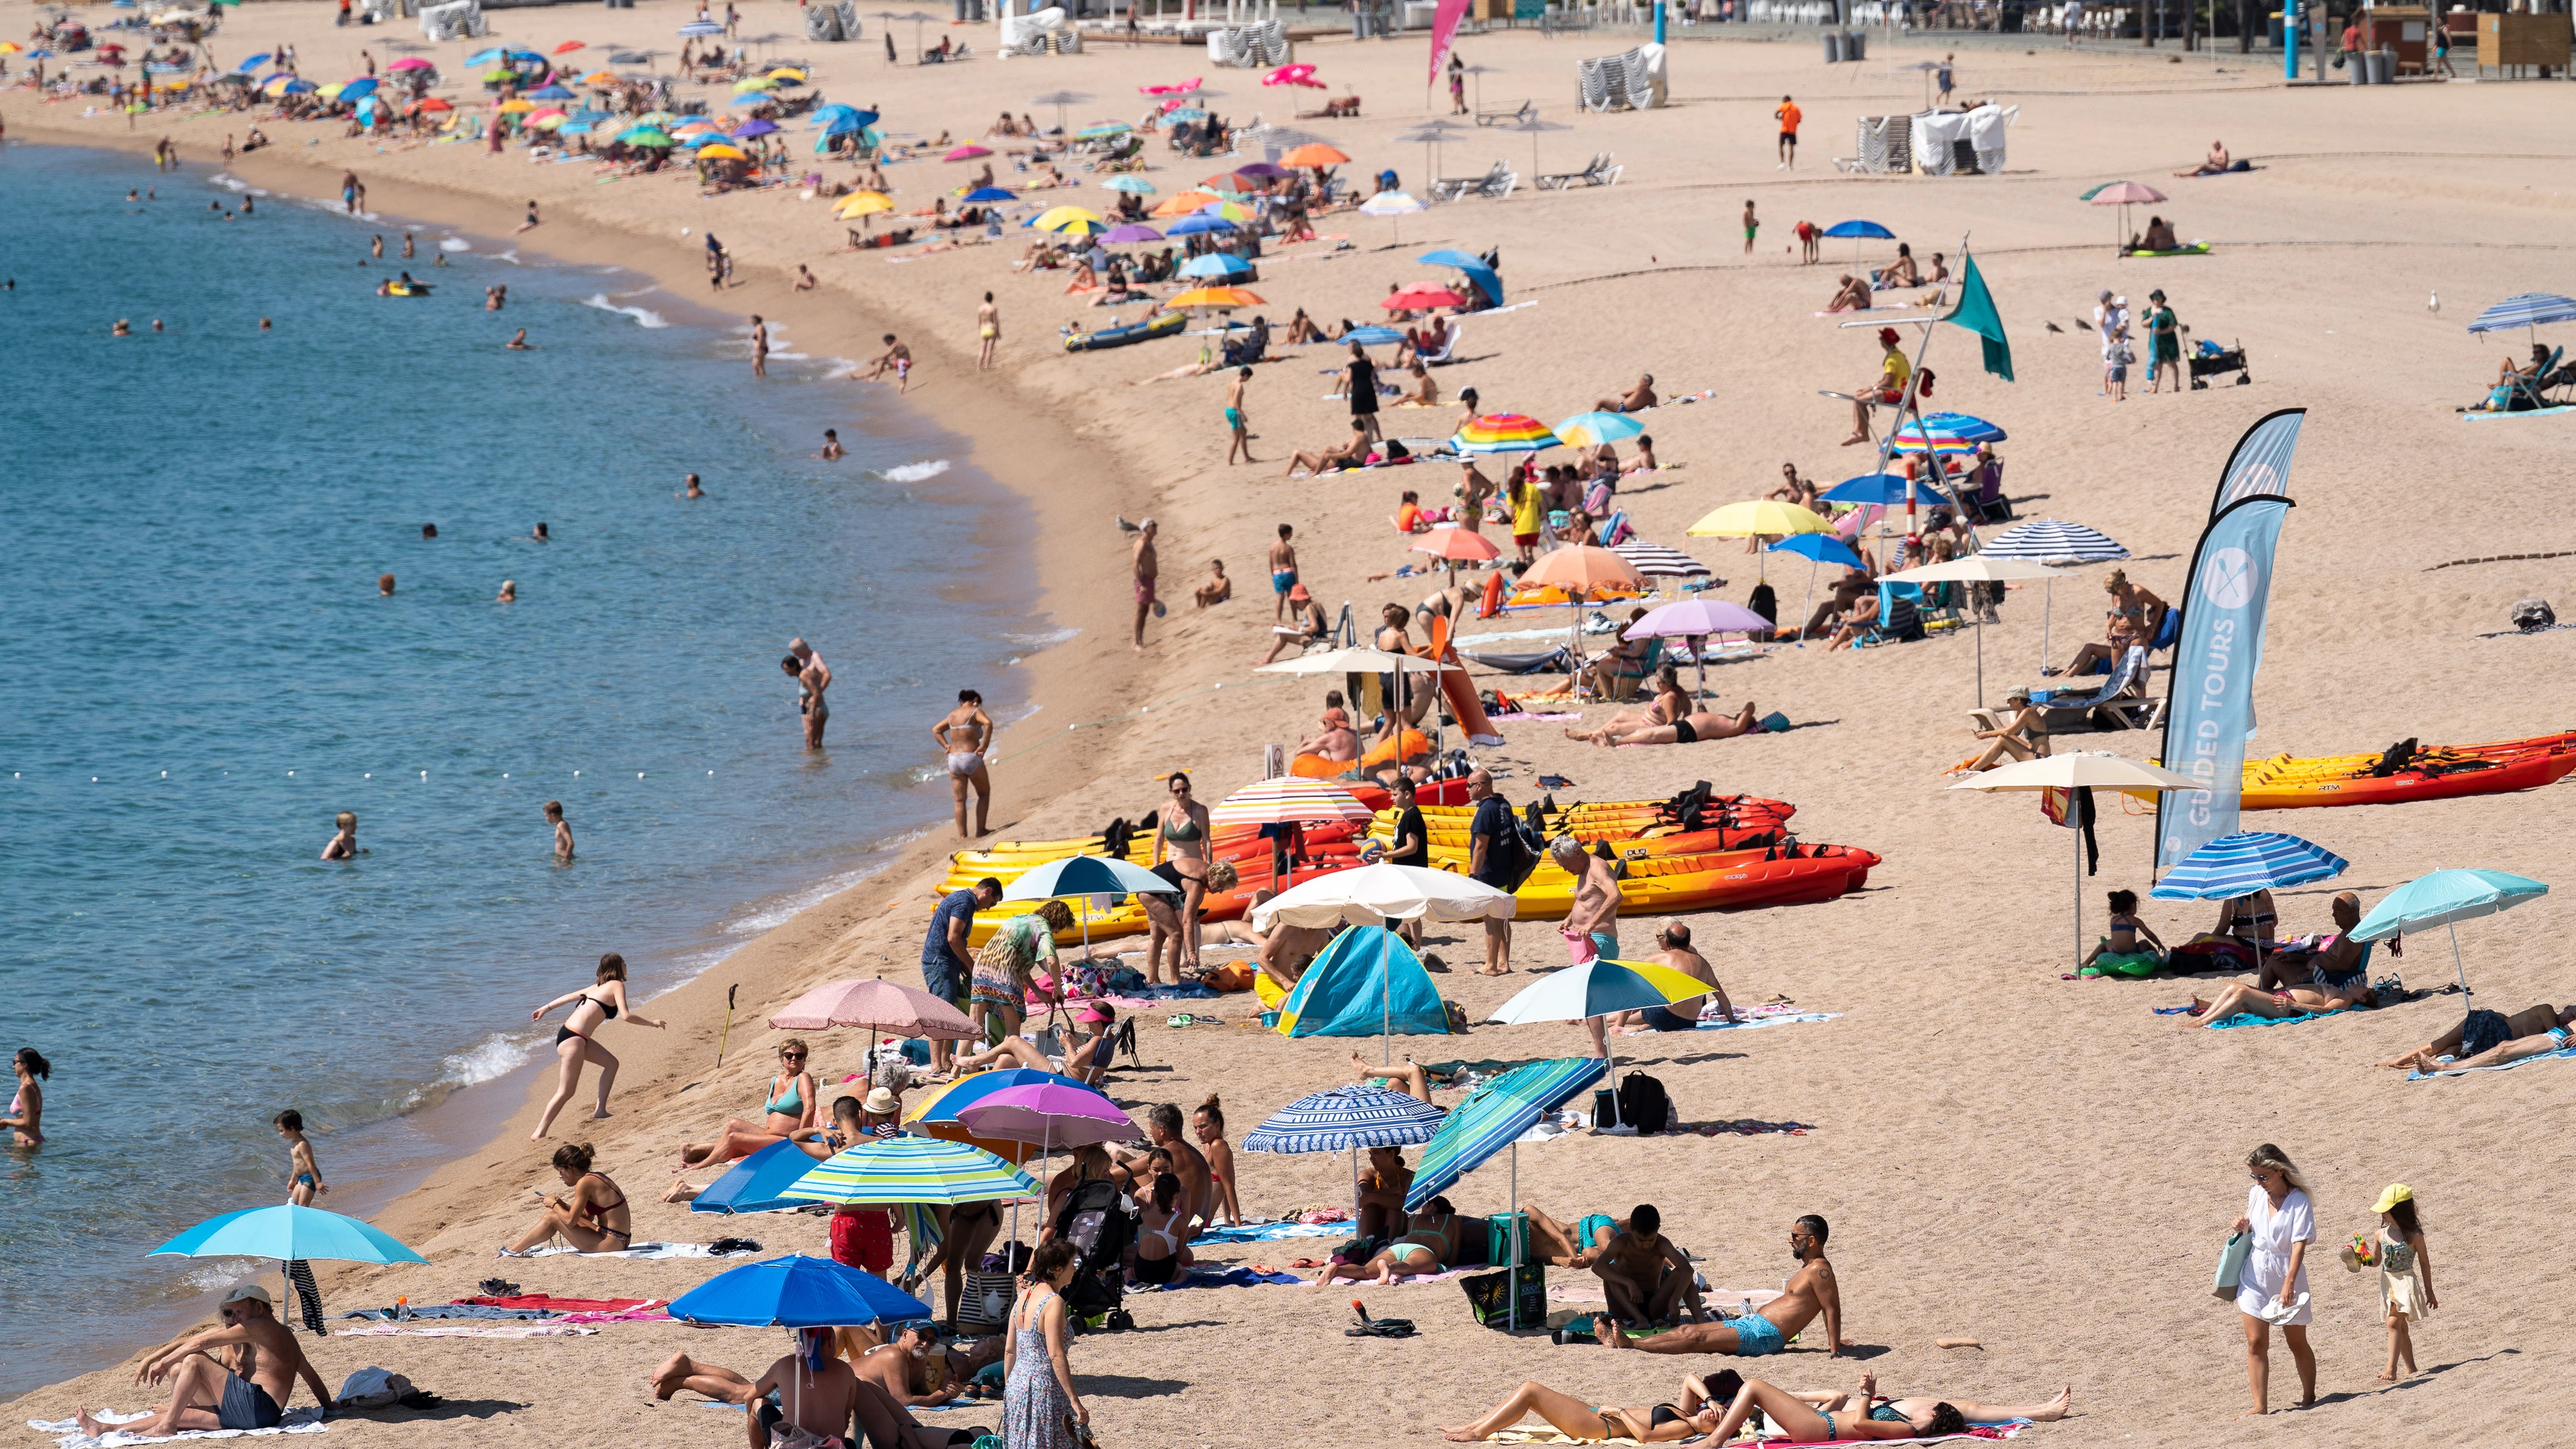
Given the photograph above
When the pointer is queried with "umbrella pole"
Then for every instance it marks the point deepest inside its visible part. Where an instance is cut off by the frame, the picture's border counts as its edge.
(1805, 601)
(2047, 602)
(1512, 1225)
(1699, 652)
(2465, 993)
(2072, 807)
(1981, 661)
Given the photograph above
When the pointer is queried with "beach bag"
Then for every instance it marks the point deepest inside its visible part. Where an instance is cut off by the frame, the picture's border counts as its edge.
(2231, 1264)
(1497, 1299)
(986, 1303)
(2533, 615)
(1643, 1104)
(374, 1388)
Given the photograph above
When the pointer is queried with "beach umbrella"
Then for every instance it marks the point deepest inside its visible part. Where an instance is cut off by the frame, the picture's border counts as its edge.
(1532, 126)
(719, 151)
(1129, 235)
(1102, 130)
(2123, 194)
(2445, 898)
(1231, 211)
(789, 74)
(1262, 170)
(1975, 568)
(1070, 219)
(753, 1184)
(1859, 231)
(1345, 1119)
(1216, 264)
(249, 64)
(1290, 800)
(1060, 100)
(645, 136)
(754, 127)
(515, 106)
(1184, 203)
(826, 115)
(1880, 489)
(1589, 430)
(1491, 1118)
(2245, 862)
(484, 57)
(1487, 280)
(541, 121)
(1654, 560)
(1695, 620)
(552, 93)
(934, 1114)
(1082, 877)
(967, 152)
(569, 46)
(1185, 113)
(989, 194)
(2045, 540)
(1049, 1115)
(862, 203)
(1198, 223)
(1373, 335)
(331, 92)
(752, 99)
(600, 78)
(910, 1170)
(1213, 299)
(2528, 309)
(753, 83)
(358, 89)
(1372, 895)
(1456, 545)
(1757, 517)
(795, 1292)
(1293, 75)
(701, 28)
(288, 1232)
(1132, 185)
(2078, 769)
(1816, 548)
(408, 62)
(1946, 433)
(877, 1004)
(1504, 433)
(435, 103)
(1313, 154)
(1421, 299)
(1393, 205)
(1580, 569)
(1598, 988)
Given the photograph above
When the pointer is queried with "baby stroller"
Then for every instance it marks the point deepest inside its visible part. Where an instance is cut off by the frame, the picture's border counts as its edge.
(2207, 360)
(1100, 1222)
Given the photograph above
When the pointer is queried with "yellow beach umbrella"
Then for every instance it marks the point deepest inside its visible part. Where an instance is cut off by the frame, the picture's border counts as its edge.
(1218, 299)
(10, 47)
(719, 151)
(1759, 516)
(332, 91)
(787, 73)
(863, 203)
(1226, 209)
(516, 105)
(547, 120)
(1061, 218)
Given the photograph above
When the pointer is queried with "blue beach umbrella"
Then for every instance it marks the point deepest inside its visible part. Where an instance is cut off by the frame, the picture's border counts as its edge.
(1588, 429)
(2445, 898)
(1196, 223)
(1868, 229)
(1493, 1117)
(2530, 309)
(1085, 876)
(795, 1292)
(2246, 862)
(753, 1184)
(748, 99)
(288, 1232)
(1372, 336)
(1882, 489)
(1346, 1118)
(1216, 264)
(836, 119)
(252, 63)
(1818, 548)
(484, 57)
(359, 89)
(575, 128)
(1132, 185)
(1487, 280)
(1599, 987)
(547, 93)
(990, 193)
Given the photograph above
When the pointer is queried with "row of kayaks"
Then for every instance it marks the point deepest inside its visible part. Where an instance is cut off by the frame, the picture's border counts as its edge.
(1697, 851)
(2406, 771)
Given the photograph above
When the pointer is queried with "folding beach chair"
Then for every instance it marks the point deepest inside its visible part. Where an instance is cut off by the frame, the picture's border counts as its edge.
(2120, 702)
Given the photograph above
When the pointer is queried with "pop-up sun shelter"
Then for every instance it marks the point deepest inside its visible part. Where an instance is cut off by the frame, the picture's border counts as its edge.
(1366, 983)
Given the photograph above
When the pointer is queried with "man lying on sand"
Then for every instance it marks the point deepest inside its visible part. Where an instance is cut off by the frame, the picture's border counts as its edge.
(1811, 1290)
(1690, 729)
(2491, 1039)
(205, 1394)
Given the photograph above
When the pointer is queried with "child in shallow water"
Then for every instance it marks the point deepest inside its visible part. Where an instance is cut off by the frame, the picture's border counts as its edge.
(2119, 953)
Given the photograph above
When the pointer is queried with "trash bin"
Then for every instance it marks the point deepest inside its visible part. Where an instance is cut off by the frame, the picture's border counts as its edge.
(2383, 67)
(1833, 47)
(1855, 45)
(2355, 69)
(2272, 31)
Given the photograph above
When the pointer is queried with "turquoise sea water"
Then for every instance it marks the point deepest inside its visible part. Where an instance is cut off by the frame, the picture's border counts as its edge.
(199, 672)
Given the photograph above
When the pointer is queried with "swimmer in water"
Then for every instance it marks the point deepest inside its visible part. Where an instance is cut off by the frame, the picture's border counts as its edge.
(496, 298)
(156, 325)
(509, 592)
(384, 586)
(133, 195)
(263, 324)
(122, 328)
(563, 832)
(541, 535)
(691, 489)
(377, 251)
(832, 449)
(406, 246)
(429, 530)
(245, 206)
(344, 845)
(519, 343)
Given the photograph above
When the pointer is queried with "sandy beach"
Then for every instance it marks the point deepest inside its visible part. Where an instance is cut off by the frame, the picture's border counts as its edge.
(2042, 1164)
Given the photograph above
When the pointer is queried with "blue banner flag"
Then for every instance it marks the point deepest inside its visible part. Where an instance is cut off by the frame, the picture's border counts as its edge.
(2210, 713)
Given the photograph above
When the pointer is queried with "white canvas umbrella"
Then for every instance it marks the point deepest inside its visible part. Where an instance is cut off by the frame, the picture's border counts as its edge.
(1367, 661)
(2099, 769)
(1376, 894)
(1980, 569)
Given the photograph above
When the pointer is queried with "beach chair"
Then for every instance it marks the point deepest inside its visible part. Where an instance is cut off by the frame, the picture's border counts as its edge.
(1448, 352)
(1528, 111)
(1598, 172)
(1497, 182)
(2524, 394)
(1900, 617)
(2121, 702)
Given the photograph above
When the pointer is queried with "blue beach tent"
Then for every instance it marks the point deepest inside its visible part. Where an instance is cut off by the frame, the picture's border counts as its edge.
(1366, 983)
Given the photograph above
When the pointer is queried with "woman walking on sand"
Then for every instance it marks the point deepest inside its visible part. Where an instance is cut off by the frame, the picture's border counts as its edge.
(1039, 1406)
(575, 1041)
(2273, 1286)
(988, 333)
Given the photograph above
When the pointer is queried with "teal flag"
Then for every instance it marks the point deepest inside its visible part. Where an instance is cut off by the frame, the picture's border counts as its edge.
(1976, 312)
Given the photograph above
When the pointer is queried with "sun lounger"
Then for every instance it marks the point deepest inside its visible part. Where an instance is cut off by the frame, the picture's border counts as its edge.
(2120, 703)
(1497, 182)
(1599, 172)
(1448, 352)
(1528, 110)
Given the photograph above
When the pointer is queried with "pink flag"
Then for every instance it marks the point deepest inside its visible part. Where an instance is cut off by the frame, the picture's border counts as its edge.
(1444, 25)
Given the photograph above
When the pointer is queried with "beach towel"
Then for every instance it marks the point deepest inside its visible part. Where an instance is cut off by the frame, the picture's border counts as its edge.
(67, 1432)
(1202, 1276)
(548, 1303)
(640, 1250)
(1975, 1431)
(2247, 1018)
(446, 1310)
(411, 1329)
(1751, 1020)
(2563, 1054)
(1265, 1232)
(1747, 1127)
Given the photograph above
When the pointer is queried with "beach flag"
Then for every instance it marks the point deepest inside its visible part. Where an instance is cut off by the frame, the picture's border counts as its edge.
(2219, 647)
(1444, 25)
(1976, 312)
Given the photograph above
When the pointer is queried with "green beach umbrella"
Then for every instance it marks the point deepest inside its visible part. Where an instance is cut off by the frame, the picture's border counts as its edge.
(644, 136)
(912, 1170)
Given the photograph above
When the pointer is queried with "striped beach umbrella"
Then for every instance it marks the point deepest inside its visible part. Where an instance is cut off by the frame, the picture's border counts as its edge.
(2529, 309)
(1504, 433)
(1656, 561)
(1947, 433)
(2246, 862)
(1493, 1117)
(1345, 1118)
(912, 1169)
(1288, 799)
(1599, 987)
(1587, 430)
(2045, 540)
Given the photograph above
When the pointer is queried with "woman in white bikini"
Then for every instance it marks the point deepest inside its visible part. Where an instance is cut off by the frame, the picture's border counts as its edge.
(1158, 1239)
(965, 734)
(575, 1040)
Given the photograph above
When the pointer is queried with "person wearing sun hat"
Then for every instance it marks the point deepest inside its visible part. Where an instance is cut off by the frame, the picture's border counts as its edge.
(1895, 374)
(205, 1395)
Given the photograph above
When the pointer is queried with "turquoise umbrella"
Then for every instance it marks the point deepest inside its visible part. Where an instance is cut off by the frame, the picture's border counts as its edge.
(1085, 876)
(1492, 1118)
(2445, 898)
(909, 1170)
(288, 1232)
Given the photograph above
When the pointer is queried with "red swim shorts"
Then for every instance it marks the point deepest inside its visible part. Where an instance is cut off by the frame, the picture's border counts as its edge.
(1145, 591)
(863, 1240)
(1526, 540)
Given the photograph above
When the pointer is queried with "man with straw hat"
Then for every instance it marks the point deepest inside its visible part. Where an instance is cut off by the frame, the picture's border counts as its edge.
(206, 1395)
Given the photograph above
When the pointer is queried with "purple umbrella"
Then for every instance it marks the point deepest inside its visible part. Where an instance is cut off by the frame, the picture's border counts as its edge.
(1048, 1113)
(1264, 169)
(1119, 236)
(757, 126)
(1697, 619)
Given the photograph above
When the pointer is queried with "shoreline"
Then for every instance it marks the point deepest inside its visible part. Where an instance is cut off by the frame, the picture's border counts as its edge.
(474, 1119)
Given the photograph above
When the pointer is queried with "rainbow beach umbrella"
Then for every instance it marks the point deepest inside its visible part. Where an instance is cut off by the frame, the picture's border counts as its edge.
(1286, 800)
(1504, 433)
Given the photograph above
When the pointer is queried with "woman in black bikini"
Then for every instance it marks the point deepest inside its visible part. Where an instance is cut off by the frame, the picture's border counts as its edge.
(595, 1219)
(1182, 838)
(1919, 1412)
(575, 1043)
(1695, 1415)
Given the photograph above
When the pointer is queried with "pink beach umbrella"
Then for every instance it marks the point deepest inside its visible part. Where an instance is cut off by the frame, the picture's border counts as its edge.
(2125, 194)
(1695, 620)
(1050, 1114)
(967, 152)
(877, 1004)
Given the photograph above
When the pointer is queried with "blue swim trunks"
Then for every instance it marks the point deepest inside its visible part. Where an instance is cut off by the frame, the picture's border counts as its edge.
(1757, 1337)
(1282, 581)
(1591, 1223)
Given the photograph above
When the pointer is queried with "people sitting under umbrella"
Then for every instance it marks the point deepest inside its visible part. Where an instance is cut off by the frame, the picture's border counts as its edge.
(2330, 973)
(2159, 237)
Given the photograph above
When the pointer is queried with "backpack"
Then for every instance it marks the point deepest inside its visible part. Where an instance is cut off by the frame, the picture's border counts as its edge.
(1643, 1105)
(1513, 855)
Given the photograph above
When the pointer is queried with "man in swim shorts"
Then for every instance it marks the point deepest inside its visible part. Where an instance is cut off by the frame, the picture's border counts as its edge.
(965, 734)
(1145, 568)
(1241, 441)
(1811, 1290)
(205, 1395)
(947, 962)
(1283, 572)
(1643, 1275)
